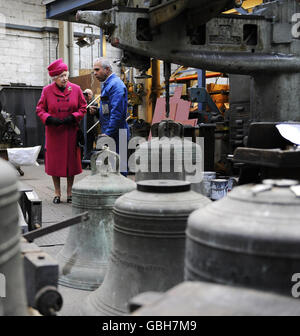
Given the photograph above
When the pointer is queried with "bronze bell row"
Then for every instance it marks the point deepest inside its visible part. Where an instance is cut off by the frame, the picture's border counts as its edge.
(148, 244)
(250, 238)
(148, 235)
(83, 260)
(242, 257)
(240, 240)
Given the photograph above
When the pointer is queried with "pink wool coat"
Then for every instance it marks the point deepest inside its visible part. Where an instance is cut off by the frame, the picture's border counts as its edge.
(62, 155)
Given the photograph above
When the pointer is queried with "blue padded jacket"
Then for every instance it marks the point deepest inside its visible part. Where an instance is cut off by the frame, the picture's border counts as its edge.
(113, 107)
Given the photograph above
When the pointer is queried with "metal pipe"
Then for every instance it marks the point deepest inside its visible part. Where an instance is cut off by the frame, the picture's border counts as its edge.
(98, 18)
(49, 48)
(79, 54)
(43, 29)
(71, 48)
(148, 102)
(237, 63)
(167, 74)
(194, 77)
(93, 101)
(101, 43)
(93, 126)
(80, 218)
(85, 136)
(156, 87)
(201, 84)
(225, 62)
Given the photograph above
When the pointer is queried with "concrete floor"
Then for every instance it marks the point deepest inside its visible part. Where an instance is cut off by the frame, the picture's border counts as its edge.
(36, 178)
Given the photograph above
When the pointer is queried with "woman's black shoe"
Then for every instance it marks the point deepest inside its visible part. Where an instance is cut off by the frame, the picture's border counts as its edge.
(56, 200)
(69, 199)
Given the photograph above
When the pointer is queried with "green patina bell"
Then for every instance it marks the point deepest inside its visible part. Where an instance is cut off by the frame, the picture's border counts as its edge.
(84, 258)
(148, 246)
(169, 156)
(12, 284)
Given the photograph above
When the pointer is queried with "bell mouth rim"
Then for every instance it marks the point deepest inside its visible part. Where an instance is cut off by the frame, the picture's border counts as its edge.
(163, 186)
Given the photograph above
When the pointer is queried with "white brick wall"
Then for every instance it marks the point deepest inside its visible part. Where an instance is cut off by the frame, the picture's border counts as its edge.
(25, 55)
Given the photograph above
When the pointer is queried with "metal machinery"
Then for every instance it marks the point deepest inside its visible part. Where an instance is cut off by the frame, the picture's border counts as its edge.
(9, 133)
(263, 45)
(19, 102)
(30, 206)
(9, 136)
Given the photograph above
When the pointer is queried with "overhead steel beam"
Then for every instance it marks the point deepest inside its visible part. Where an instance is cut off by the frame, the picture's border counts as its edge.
(60, 8)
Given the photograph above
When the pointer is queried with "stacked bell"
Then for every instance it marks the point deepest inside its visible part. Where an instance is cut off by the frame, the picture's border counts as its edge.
(169, 156)
(201, 298)
(148, 245)
(12, 286)
(250, 238)
(83, 260)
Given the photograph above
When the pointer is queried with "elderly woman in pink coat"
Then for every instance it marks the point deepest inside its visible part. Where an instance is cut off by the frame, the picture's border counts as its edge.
(61, 107)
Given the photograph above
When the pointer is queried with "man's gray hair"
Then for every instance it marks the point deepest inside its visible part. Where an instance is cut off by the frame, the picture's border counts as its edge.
(104, 62)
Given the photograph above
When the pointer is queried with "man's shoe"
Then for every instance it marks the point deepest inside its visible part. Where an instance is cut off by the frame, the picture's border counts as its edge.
(56, 200)
(69, 199)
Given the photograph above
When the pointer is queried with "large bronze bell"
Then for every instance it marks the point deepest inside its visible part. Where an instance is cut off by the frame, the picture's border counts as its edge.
(250, 238)
(169, 156)
(12, 285)
(83, 260)
(201, 298)
(148, 244)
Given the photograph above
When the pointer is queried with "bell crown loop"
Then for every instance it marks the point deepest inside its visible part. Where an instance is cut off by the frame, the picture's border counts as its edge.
(104, 167)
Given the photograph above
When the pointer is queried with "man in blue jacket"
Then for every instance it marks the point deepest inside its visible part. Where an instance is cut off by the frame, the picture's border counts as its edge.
(113, 107)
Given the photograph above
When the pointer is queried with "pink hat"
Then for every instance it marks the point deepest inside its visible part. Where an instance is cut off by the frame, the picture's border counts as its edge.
(57, 67)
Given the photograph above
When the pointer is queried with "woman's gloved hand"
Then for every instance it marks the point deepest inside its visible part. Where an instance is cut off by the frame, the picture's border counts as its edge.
(69, 120)
(53, 121)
